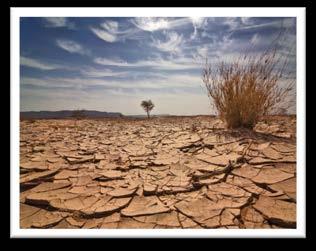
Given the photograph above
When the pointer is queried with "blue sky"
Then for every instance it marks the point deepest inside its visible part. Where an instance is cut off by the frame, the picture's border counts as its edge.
(112, 64)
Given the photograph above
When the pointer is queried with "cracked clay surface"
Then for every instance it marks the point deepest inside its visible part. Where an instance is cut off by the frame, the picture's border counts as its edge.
(176, 172)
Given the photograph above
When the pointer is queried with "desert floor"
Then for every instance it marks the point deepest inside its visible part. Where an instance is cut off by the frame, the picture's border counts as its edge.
(173, 172)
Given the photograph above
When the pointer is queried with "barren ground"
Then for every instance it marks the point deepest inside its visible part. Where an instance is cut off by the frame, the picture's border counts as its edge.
(185, 172)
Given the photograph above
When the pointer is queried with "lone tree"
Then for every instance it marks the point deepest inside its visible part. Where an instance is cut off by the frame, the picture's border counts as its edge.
(249, 87)
(148, 105)
(78, 114)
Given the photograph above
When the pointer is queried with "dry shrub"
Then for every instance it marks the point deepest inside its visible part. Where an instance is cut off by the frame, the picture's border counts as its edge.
(195, 127)
(249, 87)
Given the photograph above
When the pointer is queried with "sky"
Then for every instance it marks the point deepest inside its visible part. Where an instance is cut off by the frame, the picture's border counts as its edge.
(112, 64)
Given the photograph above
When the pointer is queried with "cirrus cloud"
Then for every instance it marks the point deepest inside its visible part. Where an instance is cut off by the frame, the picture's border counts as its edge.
(57, 22)
(34, 63)
(104, 35)
(151, 23)
(180, 63)
(72, 46)
(171, 44)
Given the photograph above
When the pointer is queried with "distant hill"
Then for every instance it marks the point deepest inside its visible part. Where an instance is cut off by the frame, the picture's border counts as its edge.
(67, 114)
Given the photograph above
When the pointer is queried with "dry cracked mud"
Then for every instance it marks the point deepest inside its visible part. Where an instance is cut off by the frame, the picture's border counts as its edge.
(173, 172)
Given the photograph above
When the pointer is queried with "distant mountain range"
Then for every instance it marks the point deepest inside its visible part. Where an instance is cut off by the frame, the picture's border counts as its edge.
(67, 114)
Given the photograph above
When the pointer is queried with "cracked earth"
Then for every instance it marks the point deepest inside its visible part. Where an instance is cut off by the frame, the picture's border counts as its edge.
(185, 172)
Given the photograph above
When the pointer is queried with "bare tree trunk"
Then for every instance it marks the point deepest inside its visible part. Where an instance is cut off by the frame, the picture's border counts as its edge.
(147, 114)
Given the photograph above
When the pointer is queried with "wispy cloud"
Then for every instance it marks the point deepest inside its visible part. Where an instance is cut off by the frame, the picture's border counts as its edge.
(151, 23)
(72, 46)
(104, 35)
(34, 63)
(233, 22)
(45, 82)
(283, 23)
(202, 52)
(100, 73)
(180, 63)
(110, 31)
(159, 23)
(155, 82)
(255, 39)
(197, 22)
(111, 26)
(58, 22)
(171, 44)
(112, 62)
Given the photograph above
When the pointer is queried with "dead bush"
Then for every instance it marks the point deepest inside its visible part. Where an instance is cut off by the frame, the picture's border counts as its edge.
(249, 87)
